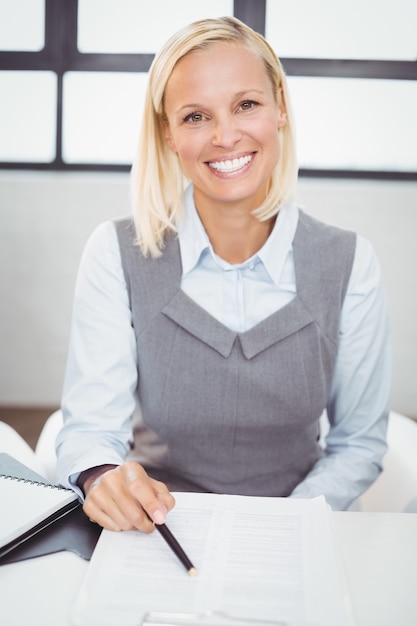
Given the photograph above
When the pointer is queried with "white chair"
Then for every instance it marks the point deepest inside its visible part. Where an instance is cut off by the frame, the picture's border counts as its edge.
(13, 444)
(45, 447)
(395, 490)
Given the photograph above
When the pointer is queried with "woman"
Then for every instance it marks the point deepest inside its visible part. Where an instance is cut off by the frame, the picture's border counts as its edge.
(229, 316)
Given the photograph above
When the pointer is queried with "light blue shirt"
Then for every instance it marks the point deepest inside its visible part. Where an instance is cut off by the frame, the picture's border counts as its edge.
(239, 296)
(99, 391)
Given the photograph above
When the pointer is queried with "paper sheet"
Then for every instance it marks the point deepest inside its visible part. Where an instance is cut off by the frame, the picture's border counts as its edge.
(267, 559)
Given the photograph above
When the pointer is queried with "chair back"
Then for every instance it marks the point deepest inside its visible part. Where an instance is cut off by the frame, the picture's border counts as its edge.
(395, 490)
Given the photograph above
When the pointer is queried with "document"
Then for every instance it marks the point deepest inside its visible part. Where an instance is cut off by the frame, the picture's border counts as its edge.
(270, 561)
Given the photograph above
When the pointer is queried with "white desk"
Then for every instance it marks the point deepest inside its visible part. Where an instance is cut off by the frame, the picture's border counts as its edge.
(379, 552)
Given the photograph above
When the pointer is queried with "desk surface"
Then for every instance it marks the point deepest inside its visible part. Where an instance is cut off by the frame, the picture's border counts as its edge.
(378, 550)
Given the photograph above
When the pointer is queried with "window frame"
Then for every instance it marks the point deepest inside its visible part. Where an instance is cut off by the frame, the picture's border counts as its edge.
(60, 55)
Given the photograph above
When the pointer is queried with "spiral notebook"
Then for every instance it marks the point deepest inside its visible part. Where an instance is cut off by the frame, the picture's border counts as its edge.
(29, 506)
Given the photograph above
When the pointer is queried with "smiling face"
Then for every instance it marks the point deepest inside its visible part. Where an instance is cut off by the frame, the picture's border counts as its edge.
(222, 120)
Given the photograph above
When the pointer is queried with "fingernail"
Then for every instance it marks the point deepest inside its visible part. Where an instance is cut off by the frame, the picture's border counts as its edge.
(159, 516)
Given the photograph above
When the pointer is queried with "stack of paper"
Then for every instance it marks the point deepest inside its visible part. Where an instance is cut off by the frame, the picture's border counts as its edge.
(262, 560)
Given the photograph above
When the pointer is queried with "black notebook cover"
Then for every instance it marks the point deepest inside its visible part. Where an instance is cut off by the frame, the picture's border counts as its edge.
(72, 532)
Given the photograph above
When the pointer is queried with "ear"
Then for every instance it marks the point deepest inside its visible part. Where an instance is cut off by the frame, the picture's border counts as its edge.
(282, 114)
(167, 134)
(282, 109)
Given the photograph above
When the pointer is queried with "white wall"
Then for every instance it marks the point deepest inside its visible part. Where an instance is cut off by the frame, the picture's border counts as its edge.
(386, 213)
(45, 219)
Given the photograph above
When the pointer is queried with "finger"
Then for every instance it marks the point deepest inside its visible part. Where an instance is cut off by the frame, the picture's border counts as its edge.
(163, 494)
(100, 517)
(101, 508)
(152, 495)
(110, 497)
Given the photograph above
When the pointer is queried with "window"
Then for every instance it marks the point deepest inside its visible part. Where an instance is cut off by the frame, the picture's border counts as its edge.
(355, 124)
(353, 79)
(350, 29)
(22, 25)
(101, 116)
(73, 75)
(129, 26)
(28, 116)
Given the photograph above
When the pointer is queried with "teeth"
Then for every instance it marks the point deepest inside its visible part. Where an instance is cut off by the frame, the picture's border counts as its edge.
(231, 165)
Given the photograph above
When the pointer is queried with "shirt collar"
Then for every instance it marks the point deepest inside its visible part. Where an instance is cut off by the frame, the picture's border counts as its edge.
(194, 241)
(192, 236)
(279, 243)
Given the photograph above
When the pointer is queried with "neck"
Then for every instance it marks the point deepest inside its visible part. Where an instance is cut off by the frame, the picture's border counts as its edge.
(236, 236)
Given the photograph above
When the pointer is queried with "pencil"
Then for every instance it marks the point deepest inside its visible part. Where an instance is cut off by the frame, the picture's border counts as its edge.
(176, 548)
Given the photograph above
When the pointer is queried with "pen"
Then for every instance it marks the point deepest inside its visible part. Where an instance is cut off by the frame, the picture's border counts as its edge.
(176, 548)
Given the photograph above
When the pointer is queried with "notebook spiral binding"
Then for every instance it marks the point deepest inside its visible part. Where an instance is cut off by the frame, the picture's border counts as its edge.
(33, 482)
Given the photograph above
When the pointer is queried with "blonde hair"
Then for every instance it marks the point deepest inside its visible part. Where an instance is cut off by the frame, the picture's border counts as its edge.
(157, 178)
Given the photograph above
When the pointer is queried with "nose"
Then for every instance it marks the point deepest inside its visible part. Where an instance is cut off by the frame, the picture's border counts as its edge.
(226, 132)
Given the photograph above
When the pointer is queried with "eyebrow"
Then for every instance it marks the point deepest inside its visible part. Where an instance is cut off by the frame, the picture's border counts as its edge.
(239, 94)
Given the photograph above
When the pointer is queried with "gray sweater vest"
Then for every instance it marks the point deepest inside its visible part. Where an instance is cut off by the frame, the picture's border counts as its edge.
(231, 412)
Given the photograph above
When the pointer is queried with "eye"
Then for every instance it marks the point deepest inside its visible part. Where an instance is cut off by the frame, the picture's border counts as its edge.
(247, 105)
(194, 117)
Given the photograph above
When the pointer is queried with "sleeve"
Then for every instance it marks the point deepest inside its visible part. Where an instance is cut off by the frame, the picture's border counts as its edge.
(358, 405)
(98, 398)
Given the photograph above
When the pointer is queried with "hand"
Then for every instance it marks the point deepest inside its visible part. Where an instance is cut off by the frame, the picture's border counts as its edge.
(126, 498)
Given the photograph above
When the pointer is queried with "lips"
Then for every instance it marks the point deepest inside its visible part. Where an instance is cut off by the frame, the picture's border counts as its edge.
(230, 166)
